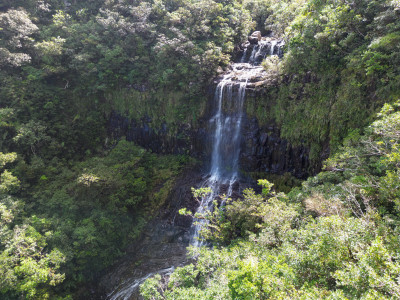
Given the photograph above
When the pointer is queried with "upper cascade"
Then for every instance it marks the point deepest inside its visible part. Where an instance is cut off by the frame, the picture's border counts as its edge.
(230, 94)
(226, 138)
(257, 48)
(248, 69)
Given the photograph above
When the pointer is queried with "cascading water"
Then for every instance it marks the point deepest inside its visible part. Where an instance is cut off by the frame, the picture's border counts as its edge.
(229, 98)
(133, 285)
(226, 123)
(226, 145)
(261, 50)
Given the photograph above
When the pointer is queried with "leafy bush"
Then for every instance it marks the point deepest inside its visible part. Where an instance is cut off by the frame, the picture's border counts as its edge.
(347, 249)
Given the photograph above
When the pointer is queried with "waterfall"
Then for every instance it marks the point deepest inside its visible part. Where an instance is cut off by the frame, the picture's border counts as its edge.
(261, 50)
(243, 59)
(253, 54)
(273, 44)
(132, 285)
(224, 169)
(229, 97)
(224, 173)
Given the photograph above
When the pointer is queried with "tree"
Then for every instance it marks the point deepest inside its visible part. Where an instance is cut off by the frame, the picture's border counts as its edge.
(27, 267)
(16, 29)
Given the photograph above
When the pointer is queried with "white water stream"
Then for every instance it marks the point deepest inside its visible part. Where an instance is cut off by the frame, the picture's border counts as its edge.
(229, 97)
(226, 122)
(226, 145)
(130, 286)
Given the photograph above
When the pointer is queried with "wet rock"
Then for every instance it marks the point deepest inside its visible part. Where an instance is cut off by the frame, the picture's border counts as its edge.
(161, 248)
(262, 149)
(255, 37)
(159, 140)
(265, 151)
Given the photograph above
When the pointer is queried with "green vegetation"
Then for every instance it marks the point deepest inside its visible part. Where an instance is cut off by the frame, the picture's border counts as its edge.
(26, 266)
(79, 197)
(76, 218)
(66, 67)
(71, 199)
(98, 205)
(340, 66)
(336, 237)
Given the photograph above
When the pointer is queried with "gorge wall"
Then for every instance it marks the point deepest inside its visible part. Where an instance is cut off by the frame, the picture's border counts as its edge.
(263, 150)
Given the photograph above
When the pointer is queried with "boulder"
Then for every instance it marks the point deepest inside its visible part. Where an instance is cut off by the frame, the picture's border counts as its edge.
(255, 37)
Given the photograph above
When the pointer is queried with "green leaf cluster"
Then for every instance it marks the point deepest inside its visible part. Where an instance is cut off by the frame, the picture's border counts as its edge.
(336, 237)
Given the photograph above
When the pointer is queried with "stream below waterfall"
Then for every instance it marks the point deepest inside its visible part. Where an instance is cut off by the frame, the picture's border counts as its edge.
(224, 171)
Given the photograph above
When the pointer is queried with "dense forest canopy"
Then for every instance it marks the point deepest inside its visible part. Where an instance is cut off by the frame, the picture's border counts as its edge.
(72, 199)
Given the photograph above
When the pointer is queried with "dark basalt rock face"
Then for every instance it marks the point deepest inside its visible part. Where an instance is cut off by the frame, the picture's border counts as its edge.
(225, 127)
(161, 246)
(262, 149)
(160, 249)
(157, 140)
